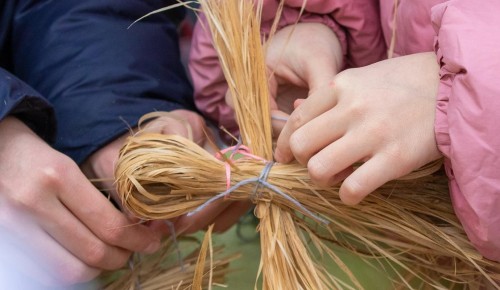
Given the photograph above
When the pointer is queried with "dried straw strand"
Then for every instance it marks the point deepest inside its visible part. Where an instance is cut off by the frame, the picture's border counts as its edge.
(159, 271)
(235, 29)
(409, 222)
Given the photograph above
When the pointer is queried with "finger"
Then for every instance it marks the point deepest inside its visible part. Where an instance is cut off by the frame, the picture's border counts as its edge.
(167, 125)
(317, 134)
(231, 215)
(273, 90)
(65, 228)
(315, 105)
(367, 178)
(160, 226)
(42, 258)
(199, 220)
(64, 268)
(103, 219)
(195, 122)
(278, 121)
(17, 259)
(316, 78)
(324, 167)
(297, 103)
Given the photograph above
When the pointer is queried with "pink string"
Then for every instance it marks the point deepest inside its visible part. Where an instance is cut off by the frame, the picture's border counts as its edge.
(261, 181)
(237, 149)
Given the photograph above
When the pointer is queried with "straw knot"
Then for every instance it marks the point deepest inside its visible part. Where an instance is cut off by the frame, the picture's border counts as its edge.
(260, 181)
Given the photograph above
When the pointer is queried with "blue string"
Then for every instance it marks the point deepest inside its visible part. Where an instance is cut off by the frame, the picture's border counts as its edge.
(261, 181)
(171, 228)
(137, 283)
(284, 119)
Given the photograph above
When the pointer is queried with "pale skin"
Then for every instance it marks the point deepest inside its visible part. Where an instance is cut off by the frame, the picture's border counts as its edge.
(381, 115)
(50, 204)
(284, 59)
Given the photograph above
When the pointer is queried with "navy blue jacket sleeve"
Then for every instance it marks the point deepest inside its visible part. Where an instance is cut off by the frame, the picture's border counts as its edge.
(99, 76)
(16, 97)
(20, 100)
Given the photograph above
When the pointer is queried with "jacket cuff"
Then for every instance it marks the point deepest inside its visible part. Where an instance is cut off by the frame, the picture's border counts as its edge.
(466, 118)
(21, 101)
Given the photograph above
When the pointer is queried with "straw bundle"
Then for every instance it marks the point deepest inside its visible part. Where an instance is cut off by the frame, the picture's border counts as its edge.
(409, 222)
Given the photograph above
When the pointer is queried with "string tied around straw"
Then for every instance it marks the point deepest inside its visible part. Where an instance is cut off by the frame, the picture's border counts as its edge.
(262, 178)
(260, 181)
(239, 148)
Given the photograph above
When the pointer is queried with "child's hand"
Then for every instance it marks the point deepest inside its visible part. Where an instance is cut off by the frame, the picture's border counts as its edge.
(299, 59)
(305, 55)
(382, 114)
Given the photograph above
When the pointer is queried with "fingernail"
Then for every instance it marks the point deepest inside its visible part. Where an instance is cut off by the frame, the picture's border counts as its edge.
(280, 158)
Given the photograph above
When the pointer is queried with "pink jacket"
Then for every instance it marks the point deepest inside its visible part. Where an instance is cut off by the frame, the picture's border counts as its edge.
(356, 24)
(464, 35)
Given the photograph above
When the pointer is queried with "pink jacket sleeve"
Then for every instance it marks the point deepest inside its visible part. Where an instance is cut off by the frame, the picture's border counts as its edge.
(468, 115)
(356, 24)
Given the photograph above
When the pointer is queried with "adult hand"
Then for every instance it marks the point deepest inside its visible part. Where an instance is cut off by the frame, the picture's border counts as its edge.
(48, 202)
(382, 115)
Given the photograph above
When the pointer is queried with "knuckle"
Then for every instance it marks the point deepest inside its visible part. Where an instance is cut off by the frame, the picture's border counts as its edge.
(114, 231)
(318, 172)
(297, 118)
(53, 175)
(341, 79)
(96, 255)
(101, 256)
(48, 179)
(352, 188)
(396, 155)
(299, 150)
(357, 110)
(352, 192)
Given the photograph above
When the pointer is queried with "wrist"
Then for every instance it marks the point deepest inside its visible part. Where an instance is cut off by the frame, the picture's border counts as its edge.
(12, 125)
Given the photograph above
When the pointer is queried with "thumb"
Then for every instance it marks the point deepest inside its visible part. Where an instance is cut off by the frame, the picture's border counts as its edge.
(180, 122)
(273, 91)
(320, 74)
(297, 103)
(278, 121)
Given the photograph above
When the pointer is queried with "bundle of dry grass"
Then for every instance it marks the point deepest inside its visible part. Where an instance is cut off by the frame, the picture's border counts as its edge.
(162, 271)
(409, 222)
